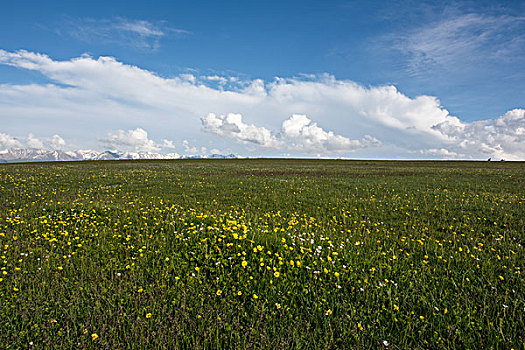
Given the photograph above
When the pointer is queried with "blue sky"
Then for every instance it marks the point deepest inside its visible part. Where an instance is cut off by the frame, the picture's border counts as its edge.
(468, 56)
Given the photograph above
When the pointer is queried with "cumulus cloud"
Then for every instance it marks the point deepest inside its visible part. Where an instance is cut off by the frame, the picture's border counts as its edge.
(307, 137)
(298, 134)
(232, 126)
(136, 139)
(167, 144)
(8, 141)
(500, 138)
(90, 95)
(220, 80)
(188, 148)
(193, 150)
(33, 142)
(57, 142)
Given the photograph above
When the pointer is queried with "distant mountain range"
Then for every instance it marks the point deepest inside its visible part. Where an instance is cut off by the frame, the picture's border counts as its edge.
(39, 155)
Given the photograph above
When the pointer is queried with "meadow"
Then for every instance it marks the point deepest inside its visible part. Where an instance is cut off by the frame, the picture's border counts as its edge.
(291, 254)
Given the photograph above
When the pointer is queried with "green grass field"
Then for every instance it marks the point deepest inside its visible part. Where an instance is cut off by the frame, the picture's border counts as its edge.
(285, 254)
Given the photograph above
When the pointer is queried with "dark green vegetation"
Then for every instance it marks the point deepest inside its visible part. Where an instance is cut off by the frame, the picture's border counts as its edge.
(262, 254)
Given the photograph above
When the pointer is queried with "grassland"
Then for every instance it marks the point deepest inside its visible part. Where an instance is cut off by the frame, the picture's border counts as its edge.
(262, 254)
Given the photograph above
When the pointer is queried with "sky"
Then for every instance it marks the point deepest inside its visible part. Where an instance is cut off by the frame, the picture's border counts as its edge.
(337, 79)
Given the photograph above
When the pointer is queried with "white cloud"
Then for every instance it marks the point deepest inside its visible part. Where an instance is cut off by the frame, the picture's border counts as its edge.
(232, 126)
(57, 142)
(220, 80)
(139, 27)
(298, 134)
(500, 138)
(307, 137)
(457, 42)
(139, 34)
(33, 142)
(92, 95)
(136, 139)
(440, 152)
(167, 144)
(189, 149)
(7, 142)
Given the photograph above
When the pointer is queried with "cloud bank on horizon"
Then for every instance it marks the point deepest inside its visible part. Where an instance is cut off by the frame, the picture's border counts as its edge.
(90, 102)
(298, 134)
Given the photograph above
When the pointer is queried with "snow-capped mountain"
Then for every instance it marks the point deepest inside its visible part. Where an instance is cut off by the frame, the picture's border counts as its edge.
(32, 154)
(38, 155)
